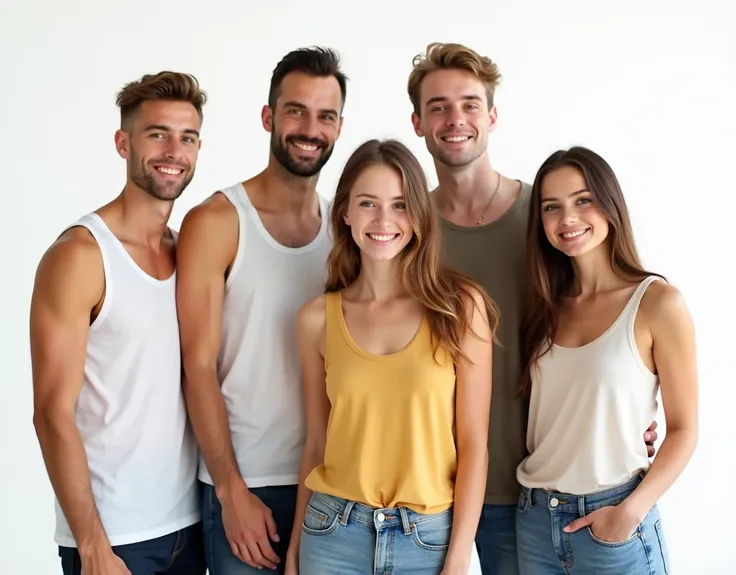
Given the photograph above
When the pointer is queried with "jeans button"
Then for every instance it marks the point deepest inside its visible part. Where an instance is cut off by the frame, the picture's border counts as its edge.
(554, 502)
(381, 517)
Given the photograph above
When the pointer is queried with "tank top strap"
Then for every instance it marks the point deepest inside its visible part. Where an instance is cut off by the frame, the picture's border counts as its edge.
(333, 320)
(632, 307)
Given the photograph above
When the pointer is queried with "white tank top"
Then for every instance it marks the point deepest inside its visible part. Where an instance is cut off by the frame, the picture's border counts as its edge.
(130, 412)
(589, 409)
(259, 368)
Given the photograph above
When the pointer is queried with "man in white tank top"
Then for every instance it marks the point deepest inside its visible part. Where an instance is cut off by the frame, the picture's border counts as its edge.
(249, 257)
(109, 410)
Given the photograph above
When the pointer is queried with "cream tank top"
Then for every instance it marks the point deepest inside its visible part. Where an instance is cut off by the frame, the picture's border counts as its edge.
(589, 409)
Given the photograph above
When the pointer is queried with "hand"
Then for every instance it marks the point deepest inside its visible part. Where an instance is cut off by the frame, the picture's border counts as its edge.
(612, 524)
(455, 566)
(248, 526)
(103, 561)
(292, 563)
(650, 436)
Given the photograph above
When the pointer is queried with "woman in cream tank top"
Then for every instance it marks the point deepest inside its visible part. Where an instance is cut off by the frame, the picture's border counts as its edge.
(396, 359)
(603, 337)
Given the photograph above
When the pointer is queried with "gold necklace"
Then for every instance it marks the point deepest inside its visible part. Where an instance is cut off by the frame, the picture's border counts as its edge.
(493, 197)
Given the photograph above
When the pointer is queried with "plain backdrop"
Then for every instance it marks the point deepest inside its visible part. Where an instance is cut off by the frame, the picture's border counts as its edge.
(648, 84)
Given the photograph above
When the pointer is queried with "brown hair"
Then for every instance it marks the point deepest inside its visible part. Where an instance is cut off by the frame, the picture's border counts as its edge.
(550, 272)
(451, 57)
(165, 85)
(440, 290)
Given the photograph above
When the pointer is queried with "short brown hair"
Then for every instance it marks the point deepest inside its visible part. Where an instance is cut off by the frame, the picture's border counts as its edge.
(441, 56)
(165, 85)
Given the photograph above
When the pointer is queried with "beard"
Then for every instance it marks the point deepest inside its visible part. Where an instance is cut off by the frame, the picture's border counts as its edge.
(143, 176)
(299, 166)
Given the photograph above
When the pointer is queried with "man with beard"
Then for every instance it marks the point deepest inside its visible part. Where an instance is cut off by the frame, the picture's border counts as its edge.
(109, 410)
(249, 257)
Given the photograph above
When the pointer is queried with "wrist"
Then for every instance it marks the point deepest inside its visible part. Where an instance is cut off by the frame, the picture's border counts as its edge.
(94, 545)
(233, 482)
(635, 508)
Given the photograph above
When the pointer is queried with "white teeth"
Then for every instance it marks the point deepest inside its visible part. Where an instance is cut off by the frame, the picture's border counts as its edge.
(456, 138)
(306, 147)
(381, 238)
(170, 171)
(569, 235)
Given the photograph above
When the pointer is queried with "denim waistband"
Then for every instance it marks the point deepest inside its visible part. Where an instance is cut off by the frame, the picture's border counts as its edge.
(388, 517)
(571, 503)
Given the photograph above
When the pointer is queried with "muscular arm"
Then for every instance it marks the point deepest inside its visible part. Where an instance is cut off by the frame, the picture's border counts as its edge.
(675, 359)
(206, 247)
(473, 402)
(311, 338)
(69, 284)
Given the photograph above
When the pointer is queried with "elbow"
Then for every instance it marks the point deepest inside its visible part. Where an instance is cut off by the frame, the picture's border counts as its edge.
(51, 419)
(473, 449)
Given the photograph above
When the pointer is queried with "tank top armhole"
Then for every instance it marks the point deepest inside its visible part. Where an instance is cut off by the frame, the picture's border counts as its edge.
(231, 193)
(89, 223)
(332, 300)
(633, 311)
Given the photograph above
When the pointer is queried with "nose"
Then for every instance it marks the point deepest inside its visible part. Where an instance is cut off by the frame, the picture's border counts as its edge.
(174, 149)
(569, 216)
(455, 117)
(382, 217)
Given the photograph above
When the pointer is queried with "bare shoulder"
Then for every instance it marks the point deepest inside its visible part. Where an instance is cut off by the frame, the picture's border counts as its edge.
(209, 230)
(312, 315)
(665, 307)
(73, 260)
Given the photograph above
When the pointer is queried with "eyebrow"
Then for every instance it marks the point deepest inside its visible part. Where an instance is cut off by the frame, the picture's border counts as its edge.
(372, 197)
(469, 97)
(163, 128)
(577, 193)
(303, 107)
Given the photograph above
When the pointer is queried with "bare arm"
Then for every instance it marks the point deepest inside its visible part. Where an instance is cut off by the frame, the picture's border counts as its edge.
(473, 402)
(311, 340)
(69, 284)
(673, 337)
(207, 246)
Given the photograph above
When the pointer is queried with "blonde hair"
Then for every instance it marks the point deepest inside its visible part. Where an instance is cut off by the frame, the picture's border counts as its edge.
(165, 85)
(450, 56)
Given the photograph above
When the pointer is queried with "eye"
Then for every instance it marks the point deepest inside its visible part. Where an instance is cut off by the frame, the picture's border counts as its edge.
(400, 205)
(585, 200)
(549, 208)
(366, 204)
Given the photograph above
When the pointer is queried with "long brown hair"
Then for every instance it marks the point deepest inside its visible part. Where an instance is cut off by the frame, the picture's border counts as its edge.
(550, 272)
(440, 290)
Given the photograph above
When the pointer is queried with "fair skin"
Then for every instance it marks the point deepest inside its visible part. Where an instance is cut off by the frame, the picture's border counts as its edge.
(288, 205)
(663, 330)
(456, 121)
(383, 317)
(68, 294)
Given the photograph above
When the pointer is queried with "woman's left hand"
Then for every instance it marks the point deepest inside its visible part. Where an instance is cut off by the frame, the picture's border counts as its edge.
(453, 567)
(612, 524)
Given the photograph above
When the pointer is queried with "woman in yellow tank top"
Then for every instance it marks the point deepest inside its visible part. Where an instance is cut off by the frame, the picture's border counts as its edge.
(396, 359)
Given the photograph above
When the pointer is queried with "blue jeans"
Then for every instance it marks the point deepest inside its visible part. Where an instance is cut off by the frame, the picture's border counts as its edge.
(496, 540)
(341, 537)
(179, 553)
(281, 500)
(545, 549)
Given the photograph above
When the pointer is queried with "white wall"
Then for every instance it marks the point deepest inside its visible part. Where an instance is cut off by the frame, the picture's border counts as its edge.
(649, 84)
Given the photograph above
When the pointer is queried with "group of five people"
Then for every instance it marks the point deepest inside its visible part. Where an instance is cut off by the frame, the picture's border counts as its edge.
(399, 381)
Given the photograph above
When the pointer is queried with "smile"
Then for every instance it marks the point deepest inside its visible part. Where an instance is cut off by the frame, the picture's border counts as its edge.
(455, 139)
(382, 237)
(169, 171)
(574, 235)
(306, 147)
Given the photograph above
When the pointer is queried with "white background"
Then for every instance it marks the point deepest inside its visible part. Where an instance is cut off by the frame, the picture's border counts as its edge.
(649, 85)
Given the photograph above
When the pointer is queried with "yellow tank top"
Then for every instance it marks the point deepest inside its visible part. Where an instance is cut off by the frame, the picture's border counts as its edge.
(390, 436)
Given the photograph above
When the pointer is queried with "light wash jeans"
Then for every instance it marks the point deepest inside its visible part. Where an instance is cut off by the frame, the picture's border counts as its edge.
(545, 549)
(341, 537)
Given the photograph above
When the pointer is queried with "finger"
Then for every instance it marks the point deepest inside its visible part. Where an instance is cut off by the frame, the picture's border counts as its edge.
(257, 552)
(650, 451)
(653, 426)
(246, 557)
(273, 530)
(578, 524)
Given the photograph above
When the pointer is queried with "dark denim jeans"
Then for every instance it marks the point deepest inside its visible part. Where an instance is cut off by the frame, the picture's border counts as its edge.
(496, 540)
(220, 559)
(178, 553)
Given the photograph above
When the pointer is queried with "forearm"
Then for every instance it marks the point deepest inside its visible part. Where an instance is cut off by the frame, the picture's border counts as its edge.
(470, 486)
(66, 463)
(310, 459)
(210, 423)
(676, 451)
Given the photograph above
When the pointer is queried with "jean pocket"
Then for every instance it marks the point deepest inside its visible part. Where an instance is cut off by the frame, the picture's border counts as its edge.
(524, 502)
(614, 544)
(433, 533)
(320, 518)
(663, 546)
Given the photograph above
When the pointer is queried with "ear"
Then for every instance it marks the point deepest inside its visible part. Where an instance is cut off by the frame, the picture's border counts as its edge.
(417, 123)
(122, 144)
(492, 118)
(267, 118)
(346, 219)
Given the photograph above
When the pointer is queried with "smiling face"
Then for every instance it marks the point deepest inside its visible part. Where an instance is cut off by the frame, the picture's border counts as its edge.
(572, 221)
(377, 213)
(455, 120)
(161, 145)
(305, 123)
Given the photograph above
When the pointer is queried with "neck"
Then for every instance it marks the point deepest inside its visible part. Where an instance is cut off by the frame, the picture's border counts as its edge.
(288, 192)
(467, 187)
(379, 280)
(593, 273)
(142, 216)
